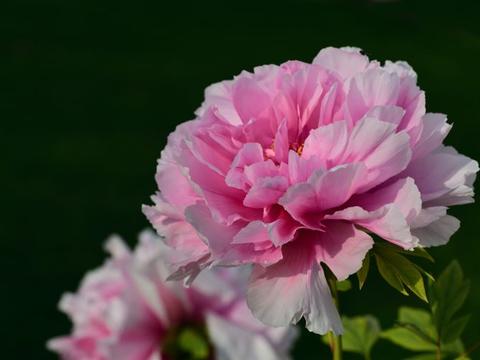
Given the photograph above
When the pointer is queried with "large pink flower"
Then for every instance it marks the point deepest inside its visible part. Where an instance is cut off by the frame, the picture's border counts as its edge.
(295, 165)
(126, 311)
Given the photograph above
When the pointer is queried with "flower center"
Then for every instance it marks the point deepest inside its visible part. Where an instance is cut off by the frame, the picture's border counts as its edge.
(189, 342)
(298, 148)
(270, 152)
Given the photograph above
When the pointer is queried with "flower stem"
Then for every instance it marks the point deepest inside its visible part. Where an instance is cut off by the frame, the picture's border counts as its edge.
(337, 347)
(336, 340)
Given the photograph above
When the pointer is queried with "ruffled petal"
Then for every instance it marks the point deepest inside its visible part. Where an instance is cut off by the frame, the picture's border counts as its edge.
(342, 247)
(299, 281)
(438, 232)
(233, 342)
(345, 61)
(444, 177)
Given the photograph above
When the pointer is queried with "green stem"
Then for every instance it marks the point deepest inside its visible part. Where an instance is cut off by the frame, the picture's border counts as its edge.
(337, 347)
(336, 340)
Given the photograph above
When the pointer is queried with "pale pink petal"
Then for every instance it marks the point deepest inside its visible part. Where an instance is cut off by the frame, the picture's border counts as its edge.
(217, 236)
(428, 215)
(387, 222)
(177, 190)
(249, 154)
(260, 170)
(327, 143)
(249, 99)
(345, 179)
(237, 343)
(305, 202)
(210, 153)
(219, 97)
(438, 232)
(345, 61)
(403, 193)
(266, 192)
(331, 106)
(342, 247)
(435, 129)
(299, 281)
(371, 88)
(300, 201)
(389, 113)
(255, 233)
(283, 230)
(444, 177)
(281, 143)
(401, 68)
(300, 168)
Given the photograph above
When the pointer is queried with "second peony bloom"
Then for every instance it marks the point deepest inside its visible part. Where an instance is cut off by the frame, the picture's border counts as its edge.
(294, 166)
(125, 310)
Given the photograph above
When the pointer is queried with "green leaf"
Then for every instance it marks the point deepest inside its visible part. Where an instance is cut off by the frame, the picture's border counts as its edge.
(191, 342)
(344, 285)
(363, 272)
(455, 347)
(409, 275)
(408, 339)
(415, 330)
(454, 329)
(420, 318)
(426, 273)
(427, 356)
(462, 357)
(447, 295)
(398, 271)
(360, 334)
(389, 274)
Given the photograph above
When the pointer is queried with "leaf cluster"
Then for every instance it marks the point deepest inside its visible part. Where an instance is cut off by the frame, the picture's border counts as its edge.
(435, 332)
(397, 269)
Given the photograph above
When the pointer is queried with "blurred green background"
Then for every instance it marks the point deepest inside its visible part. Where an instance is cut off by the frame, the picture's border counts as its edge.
(89, 91)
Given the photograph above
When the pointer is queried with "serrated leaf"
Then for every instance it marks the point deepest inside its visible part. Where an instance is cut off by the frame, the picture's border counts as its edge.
(344, 285)
(399, 272)
(409, 275)
(360, 334)
(448, 294)
(426, 273)
(389, 274)
(415, 330)
(454, 329)
(408, 339)
(363, 272)
(420, 318)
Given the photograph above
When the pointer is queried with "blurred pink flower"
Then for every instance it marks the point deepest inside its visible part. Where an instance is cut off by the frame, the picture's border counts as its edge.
(294, 165)
(125, 311)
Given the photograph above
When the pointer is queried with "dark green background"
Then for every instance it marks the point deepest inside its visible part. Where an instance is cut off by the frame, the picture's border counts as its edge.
(90, 89)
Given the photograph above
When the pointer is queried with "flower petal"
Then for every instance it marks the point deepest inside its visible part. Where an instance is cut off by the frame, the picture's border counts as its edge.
(234, 342)
(342, 247)
(293, 288)
(444, 177)
(345, 61)
(438, 232)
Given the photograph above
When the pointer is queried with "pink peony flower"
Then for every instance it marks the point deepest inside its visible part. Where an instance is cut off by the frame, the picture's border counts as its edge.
(124, 310)
(296, 165)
